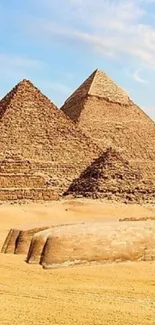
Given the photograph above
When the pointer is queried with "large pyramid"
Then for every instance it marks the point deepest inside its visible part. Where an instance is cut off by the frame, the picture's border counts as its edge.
(113, 177)
(41, 150)
(106, 113)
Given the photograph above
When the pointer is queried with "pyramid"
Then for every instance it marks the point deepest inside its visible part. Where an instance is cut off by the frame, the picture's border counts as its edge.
(106, 113)
(113, 177)
(41, 150)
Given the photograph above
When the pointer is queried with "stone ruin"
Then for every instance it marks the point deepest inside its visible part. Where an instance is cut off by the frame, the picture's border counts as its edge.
(87, 243)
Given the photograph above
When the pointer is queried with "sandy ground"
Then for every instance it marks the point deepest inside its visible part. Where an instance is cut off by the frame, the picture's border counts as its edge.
(95, 295)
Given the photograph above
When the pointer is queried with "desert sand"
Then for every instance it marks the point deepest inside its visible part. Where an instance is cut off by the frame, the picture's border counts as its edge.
(121, 293)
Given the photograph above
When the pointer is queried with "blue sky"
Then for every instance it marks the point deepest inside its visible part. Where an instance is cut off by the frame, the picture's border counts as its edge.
(58, 43)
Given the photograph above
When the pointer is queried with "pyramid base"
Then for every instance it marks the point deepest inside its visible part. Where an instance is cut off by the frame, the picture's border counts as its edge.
(28, 194)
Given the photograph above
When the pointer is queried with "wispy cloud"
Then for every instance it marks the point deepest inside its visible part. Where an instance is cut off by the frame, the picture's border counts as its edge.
(110, 27)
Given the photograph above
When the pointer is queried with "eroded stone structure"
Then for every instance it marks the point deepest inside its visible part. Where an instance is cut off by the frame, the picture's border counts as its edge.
(18, 240)
(84, 243)
(93, 242)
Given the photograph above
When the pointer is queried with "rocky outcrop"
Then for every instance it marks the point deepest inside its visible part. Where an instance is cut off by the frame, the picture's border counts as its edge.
(94, 243)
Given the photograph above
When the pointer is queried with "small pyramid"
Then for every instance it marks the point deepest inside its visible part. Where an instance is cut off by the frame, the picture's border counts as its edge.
(111, 176)
(33, 129)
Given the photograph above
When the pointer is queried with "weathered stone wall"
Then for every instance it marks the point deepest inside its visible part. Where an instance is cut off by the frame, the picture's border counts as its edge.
(115, 242)
(22, 181)
(38, 194)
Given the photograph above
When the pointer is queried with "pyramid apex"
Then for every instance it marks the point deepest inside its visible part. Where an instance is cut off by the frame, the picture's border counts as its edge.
(25, 82)
(22, 92)
(100, 85)
(104, 87)
(98, 70)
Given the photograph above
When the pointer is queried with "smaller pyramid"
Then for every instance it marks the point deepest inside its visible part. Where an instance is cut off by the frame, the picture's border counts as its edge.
(111, 176)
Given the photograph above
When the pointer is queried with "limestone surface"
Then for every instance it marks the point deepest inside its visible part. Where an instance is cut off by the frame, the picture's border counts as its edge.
(36, 250)
(98, 242)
